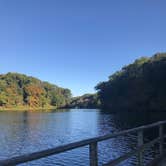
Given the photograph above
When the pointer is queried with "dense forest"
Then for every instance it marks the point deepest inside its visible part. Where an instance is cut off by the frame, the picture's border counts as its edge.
(85, 101)
(17, 90)
(139, 86)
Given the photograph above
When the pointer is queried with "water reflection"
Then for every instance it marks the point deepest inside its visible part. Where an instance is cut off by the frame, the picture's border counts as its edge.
(24, 132)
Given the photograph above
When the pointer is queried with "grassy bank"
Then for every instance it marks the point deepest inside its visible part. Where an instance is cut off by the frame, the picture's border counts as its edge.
(26, 108)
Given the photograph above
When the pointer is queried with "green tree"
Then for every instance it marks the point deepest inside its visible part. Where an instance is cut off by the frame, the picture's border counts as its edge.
(20, 90)
(137, 86)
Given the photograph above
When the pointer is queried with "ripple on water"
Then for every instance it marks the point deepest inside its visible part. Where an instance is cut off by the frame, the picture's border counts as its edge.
(25, 132)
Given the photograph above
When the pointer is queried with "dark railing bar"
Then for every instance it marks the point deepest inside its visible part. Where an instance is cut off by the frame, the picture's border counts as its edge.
(43, 153)
(140, 142)
(161, 135)
(63, 148)
(132, 153)
(93, 154)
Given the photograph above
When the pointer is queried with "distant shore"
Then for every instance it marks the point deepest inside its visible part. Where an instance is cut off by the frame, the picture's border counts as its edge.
(25, 108)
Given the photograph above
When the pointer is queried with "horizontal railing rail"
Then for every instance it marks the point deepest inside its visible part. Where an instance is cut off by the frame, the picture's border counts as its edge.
(93, 147)
(132, 153)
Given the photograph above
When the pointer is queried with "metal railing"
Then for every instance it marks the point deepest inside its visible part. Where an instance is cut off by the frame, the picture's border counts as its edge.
(93, 147)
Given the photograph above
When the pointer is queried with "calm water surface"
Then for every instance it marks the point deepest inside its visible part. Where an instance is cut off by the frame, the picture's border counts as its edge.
(25, 132)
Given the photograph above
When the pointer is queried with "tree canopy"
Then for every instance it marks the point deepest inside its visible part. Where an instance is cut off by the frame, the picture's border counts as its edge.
(85, 101)
(137, 86)
(21, 90)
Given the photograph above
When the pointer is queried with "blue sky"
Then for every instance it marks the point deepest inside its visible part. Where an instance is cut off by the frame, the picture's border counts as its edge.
(78, 43)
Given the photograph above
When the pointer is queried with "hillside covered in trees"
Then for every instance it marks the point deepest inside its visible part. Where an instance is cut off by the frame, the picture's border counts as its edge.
(139, 86)
(85, 101)
(17, 90)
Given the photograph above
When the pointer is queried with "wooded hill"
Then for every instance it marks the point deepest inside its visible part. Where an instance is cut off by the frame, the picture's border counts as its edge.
(84, 101)
(20, 90)
(138, 86)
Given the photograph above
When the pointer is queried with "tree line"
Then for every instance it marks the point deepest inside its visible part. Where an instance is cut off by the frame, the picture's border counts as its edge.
(138, 86)
(21, 90)
(84, 101)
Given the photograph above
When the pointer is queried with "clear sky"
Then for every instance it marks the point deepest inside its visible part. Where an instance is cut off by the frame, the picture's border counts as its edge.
(78, 43)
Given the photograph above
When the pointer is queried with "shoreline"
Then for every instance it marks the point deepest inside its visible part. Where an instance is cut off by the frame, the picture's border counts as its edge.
(44, 109)
(26, 108)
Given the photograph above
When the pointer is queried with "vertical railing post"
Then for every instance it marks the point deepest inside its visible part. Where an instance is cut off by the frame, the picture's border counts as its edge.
(140, 143)
(93, 154)
(161, 136)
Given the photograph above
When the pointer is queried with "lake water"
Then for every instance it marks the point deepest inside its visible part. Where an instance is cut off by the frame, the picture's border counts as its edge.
(25, 132)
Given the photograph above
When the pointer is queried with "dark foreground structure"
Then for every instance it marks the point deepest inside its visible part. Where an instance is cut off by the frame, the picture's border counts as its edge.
(159, 160)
